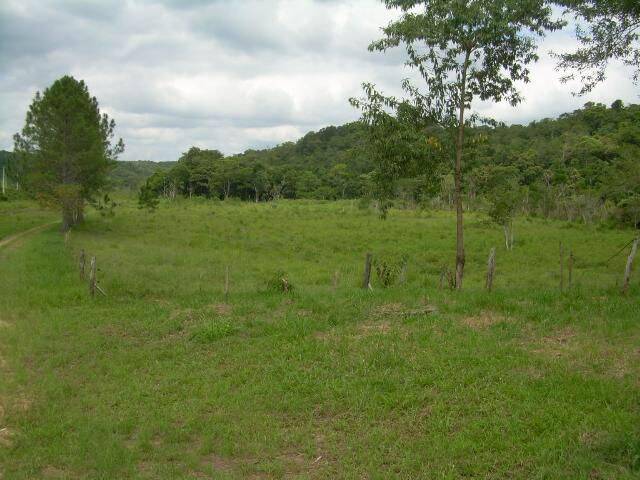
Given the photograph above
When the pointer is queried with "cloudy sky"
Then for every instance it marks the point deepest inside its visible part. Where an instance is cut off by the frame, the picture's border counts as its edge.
(227, 74)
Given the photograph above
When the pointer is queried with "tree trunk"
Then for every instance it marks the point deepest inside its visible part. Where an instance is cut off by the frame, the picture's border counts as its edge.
(67, 218)
(511, 235)
(460, 258)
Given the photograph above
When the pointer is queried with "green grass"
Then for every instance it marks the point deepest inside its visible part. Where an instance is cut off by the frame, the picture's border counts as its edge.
(19, 215)
(164, 379)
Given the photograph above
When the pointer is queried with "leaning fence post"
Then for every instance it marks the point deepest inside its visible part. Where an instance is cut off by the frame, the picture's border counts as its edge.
(491, 268)
(81, 262)
(561, 267)
(366, 280)
(92, 277)
(627, 270)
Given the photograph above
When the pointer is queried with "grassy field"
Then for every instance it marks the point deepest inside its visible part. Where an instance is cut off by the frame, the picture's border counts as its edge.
(165, 379)
(19, 215)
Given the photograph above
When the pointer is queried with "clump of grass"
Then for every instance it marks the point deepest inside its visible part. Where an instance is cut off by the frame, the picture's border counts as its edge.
(388, 269)
(213, 330)
(279, 282)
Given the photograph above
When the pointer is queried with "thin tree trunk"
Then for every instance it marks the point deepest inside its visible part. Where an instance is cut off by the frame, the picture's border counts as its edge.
(627, 270)
(491, 268)
(460, 258)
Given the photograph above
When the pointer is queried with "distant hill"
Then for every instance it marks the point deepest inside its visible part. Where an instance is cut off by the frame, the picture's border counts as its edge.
(318, 151)
(131, 174)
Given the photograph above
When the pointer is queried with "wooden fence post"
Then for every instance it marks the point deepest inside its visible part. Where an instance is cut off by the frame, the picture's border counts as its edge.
(491, 268)
(627, 270)
(226, 283)
(403, 273)
(92, 277)
(561, 267)
(81, 262)
(366, 280)
(570, 268)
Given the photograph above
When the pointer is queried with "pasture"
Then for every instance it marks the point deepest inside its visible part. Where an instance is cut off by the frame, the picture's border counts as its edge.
(165, 378)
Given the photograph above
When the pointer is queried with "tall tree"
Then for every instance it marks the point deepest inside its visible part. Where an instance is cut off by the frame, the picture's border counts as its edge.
(464, 50)
(606, 30)
(66, 146)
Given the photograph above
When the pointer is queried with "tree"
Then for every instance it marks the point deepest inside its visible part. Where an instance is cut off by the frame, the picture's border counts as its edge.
(66, 148)
(606, 30)
(147, 197)
(502, 189)
(463, 50)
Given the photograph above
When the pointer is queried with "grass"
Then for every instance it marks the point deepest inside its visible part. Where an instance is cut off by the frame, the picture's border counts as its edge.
(164, 379)
(19, 215)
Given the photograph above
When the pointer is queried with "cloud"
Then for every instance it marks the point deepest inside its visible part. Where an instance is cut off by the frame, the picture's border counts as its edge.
(232, 74)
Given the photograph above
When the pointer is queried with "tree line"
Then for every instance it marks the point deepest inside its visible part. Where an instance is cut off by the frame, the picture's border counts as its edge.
(581, 166)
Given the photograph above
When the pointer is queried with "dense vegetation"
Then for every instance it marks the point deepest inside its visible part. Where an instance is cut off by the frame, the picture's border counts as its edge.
(581, 166)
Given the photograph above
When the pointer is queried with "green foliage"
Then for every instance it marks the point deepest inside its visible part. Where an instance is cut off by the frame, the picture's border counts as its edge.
(131, 175)
(580, 166)
(607, 30)
(463, 51)
(66, 147)
(147, 198)
(328, 164)
(104, 205)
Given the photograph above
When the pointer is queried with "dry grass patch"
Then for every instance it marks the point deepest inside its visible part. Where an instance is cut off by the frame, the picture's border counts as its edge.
(587, 354)
(53, 472)
(399, 310)
(6, 437)
(220, 308)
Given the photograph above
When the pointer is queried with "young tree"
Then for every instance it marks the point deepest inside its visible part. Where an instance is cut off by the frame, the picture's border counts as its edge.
(502, 190)
(606, 30)
(66, 147)
(464, 50)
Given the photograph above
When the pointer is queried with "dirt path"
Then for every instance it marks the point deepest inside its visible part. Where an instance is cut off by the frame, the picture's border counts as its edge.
(16, 236)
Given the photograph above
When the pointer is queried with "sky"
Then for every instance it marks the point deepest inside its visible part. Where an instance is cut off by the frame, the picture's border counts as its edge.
(231, 74)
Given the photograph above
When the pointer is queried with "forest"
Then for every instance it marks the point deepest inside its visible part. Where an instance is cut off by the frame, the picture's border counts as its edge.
(581, 166)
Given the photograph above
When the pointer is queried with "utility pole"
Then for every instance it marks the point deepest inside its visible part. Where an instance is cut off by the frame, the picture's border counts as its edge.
(3, 180)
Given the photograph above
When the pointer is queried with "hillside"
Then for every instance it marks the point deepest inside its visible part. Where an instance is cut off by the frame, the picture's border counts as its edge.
(132, 174)
(581, 165)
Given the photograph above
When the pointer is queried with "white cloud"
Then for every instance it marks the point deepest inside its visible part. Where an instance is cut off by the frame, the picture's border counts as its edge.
(230, 74)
